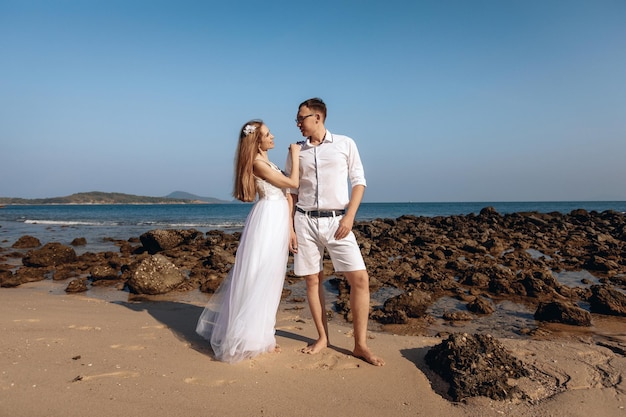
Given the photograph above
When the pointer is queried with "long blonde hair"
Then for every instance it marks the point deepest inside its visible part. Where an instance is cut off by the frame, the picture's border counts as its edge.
(247, 149)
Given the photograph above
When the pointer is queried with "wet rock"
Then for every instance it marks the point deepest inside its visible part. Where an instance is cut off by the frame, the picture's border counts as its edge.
(26, 242)
(79, 241)
(210, 285)
(457, 316)
(476, 365)
(471, 246)
(77, 285)
(495, 245)
(619, 281)
(64, 272)
(220, 259)
(607, 300)
(487, 276)
(500, 285)
(8, 280)
(390, 317)
(488, 212)
(26, 274)
(155, 275)
(562, 312)
(539, 283)
(159, 240)
(481, 306)
(598, 263)
(14, 254)
(104, 272)
(51, 254)
(413, 303)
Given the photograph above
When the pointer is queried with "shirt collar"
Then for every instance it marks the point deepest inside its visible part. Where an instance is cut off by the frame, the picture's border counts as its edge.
(328, 137)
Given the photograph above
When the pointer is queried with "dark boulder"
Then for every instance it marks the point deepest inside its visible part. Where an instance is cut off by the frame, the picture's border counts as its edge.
(607, 300)
(79, 241)
(77, 285)
(155, 275)
(51, 254)
(413, 303)
(480, 306)
(64, 272)
(476, 365)
(220, 259)
(8, 280)
(159, 240)
(562, 312)
(26, 274)
(104, 272)
(600, 264)
(26, 242)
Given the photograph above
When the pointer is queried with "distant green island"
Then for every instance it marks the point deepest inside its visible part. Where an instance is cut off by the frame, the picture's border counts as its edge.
(97, 197)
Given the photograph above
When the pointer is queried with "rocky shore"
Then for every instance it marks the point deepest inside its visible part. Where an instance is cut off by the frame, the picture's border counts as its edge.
(479, 260)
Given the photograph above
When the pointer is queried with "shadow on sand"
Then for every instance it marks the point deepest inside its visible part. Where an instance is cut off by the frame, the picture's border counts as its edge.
(182, 318)
(416, 356)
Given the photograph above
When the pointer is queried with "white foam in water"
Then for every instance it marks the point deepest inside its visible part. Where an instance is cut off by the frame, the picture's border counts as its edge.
(63, 223)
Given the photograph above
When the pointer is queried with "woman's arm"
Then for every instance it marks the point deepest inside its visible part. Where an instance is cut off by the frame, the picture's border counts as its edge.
(263, 170)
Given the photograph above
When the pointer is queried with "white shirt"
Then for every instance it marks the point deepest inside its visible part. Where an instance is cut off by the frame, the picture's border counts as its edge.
(324, 173)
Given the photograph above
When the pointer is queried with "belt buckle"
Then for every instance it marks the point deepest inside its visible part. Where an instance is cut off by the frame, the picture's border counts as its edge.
(321, 213)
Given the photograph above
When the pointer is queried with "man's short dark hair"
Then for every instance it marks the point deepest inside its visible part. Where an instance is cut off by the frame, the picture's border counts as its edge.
(316, 104)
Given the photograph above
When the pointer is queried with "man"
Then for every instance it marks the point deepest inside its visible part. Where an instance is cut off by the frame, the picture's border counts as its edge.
(324, 213)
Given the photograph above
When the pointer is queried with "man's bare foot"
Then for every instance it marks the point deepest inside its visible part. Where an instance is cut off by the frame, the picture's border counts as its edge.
(366, 355)
(314, 348)
(277, 349)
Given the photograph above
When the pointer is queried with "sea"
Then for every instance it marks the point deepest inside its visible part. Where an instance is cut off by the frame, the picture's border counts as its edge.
(100, 224)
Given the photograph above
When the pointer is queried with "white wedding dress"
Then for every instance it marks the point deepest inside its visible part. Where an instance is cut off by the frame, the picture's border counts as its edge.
(240, 317)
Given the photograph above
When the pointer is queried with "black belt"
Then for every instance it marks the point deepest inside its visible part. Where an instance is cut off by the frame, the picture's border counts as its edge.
(322, 213)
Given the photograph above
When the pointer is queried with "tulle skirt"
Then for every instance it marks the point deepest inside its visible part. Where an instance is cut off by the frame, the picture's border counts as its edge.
(239, 318)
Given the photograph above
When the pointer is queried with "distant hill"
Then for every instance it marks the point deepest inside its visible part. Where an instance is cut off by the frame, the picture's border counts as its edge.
(97, 197)
(188, 196)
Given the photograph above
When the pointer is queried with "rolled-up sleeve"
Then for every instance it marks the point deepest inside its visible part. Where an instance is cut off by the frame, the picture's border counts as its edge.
(356, 173)
(288, 168)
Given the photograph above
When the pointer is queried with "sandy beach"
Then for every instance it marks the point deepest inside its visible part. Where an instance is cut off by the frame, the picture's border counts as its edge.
(75, 355)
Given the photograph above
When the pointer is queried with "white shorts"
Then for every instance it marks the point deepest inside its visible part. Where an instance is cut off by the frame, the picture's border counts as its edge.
(316, 233)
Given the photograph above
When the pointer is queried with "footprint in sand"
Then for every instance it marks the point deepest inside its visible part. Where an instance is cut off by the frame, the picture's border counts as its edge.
(50, 339)
(151, 336)
(327, 361)
(216, 383)
(130, 347)
(120, 374)
(84, 328)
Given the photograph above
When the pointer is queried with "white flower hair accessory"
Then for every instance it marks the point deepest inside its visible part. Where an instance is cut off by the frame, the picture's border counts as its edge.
(249, 129)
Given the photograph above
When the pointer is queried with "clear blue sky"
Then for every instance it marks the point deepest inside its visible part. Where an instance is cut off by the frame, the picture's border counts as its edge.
(515, 100)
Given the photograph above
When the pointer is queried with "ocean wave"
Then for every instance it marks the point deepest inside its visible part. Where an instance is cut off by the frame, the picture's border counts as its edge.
(217, 225)
(199, 225)
(160, 224)
(67, 223)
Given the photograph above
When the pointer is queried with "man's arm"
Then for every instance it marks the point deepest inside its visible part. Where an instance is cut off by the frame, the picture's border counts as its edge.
(292, 199)
(346, 223)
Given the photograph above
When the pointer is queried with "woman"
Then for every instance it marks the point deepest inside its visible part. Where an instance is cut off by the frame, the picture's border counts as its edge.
(239, 319)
